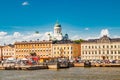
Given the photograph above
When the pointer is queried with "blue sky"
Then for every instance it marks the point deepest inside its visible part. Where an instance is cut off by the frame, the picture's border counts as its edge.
(80, 18)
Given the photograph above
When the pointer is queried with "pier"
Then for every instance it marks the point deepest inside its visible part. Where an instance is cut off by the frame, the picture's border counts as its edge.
(97, 65)
(23, 67)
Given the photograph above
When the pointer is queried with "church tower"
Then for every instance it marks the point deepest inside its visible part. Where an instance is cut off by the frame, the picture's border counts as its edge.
(58, 32)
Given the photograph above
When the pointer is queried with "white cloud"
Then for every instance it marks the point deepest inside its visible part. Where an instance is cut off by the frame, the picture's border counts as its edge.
(25, 3)
(17, 36)
(104, 32)
(3, 33)
(86, 29)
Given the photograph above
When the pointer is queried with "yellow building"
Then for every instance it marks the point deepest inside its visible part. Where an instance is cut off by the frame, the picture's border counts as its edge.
(66, 49)
(42, 48)
(8, 51)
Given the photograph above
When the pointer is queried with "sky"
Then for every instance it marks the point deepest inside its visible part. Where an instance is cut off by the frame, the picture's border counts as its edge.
(80, 19)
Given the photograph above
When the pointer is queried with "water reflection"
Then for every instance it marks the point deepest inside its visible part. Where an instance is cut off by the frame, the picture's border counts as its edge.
(76, 73)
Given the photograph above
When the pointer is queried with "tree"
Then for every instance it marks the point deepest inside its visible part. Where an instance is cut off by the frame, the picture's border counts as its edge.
(78, 41)
(33, 54)
(37, 32)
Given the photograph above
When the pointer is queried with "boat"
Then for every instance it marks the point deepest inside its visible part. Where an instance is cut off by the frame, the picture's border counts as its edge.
(58, 63)
(64, 63)
(87, 64)
(53, 66)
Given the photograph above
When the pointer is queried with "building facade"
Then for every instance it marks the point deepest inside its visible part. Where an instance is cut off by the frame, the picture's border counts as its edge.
(58, 33)
(8, 51)
(42, 48)
(1, 55)
(101, 49)
(66, 49)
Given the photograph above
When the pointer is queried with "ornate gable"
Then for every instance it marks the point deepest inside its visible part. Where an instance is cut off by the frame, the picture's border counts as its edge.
(104, 39)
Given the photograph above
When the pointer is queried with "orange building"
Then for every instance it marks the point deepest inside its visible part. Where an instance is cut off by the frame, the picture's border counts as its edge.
(1, 55)
(42, 48)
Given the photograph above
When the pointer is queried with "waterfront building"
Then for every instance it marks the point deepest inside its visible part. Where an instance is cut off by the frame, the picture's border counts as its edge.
(1, 56)
(101, 49)
(42, 48)
(66, 49)
(7, 51)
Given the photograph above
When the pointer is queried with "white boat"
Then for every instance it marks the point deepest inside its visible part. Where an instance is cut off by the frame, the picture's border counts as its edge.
(53, 66)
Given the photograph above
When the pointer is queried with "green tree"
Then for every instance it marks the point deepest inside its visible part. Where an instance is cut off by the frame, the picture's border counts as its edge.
(33, 54)
(37, 32)
(79, 41)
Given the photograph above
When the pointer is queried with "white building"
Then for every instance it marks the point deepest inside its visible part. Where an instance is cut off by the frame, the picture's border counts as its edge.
(99, 49)
(58, 33)
(8, 51)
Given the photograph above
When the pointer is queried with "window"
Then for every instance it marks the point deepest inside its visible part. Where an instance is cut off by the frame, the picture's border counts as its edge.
(119, 52)
(99, 52)
(111, 52)
(95, 52)
(92, 47)
(89, 52)
(111, 46)
(103, 46)
(107, 51)
(68, 47)
(95, 47)
(115, 52)
(89, 47)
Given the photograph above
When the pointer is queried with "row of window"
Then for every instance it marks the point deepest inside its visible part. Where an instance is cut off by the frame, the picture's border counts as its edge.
(33, 50)
(8, 54)
(34, 45)
(62, 48)
(99, 57)
(28, 55)
(62, 53)
(101, 52)
(103, 46)
(8, 49)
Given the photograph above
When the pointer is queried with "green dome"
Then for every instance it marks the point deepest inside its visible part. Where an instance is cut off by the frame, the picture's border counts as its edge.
(57, 25)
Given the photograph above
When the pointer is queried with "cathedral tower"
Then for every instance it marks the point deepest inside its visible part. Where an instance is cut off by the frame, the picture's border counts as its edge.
(58, 32)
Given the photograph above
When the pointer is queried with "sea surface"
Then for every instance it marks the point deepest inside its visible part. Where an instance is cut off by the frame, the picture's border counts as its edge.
(74, 73)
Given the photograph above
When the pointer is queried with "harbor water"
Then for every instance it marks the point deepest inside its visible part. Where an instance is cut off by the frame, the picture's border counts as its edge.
(74, 73)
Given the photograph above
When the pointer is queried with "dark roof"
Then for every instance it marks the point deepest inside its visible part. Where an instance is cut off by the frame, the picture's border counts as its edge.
(104, 39)
(33, 42)
(63, 42)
